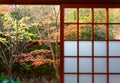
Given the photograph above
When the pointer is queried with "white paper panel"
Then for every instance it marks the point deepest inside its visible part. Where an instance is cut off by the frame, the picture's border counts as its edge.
(70, 48)
(114, 65)
(70, 78)
(85, 48)
(70, 65)
(85, 78)
(114, 48)
(114, 79)
(99, 48)
(100, 65)
(100, 79)
(85, 65)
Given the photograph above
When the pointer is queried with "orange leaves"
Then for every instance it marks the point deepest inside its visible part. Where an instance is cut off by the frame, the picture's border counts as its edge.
(40, 61)
(37, 63)
(69, 29)
(36, 57)
(6, 8)
(40, 41)
(39, 52)
(54, 35)
(23, 55)
(49, 16)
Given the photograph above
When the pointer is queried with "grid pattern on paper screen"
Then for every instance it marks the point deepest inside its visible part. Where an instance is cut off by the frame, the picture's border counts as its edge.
(91, 46)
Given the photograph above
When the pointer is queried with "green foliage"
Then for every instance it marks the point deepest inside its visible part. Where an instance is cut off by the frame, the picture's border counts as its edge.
(16, 15)
(114, 15)
(99, 33)
(111, 34)
(85, 33)
(17, 81)
(2, 78)
(26, 66)
(99, 15)
(85, 15)
(17, 30)
(70, 15)
(3, 40)
(46, 70)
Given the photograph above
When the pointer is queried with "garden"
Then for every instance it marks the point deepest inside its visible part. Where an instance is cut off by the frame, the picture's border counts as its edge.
(29, 44)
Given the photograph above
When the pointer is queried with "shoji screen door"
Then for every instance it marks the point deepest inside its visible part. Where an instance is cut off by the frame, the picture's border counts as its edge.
(90, 43)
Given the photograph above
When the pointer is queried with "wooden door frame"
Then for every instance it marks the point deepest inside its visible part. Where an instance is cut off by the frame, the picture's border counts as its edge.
(62, 6)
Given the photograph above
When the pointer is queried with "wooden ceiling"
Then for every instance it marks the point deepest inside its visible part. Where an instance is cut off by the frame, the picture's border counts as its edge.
(59, 1)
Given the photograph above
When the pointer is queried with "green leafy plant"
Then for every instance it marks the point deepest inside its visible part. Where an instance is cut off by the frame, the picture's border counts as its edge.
(17, 81)
(2, 78)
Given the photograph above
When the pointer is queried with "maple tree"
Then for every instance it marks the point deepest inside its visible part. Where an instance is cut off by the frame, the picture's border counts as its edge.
(48, 31)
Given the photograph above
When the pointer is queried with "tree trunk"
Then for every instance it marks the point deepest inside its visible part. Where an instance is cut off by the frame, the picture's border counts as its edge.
(57, 75)
(35, 79)
(9, 70)
(40, 79)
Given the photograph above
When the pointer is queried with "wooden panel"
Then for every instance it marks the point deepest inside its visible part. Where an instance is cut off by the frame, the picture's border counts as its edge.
(58, 1)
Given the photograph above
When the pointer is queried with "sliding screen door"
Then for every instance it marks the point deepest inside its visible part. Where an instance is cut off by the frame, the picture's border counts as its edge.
(90, 44)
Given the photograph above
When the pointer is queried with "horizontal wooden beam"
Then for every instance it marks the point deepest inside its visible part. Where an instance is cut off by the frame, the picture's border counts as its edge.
(59, 1)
